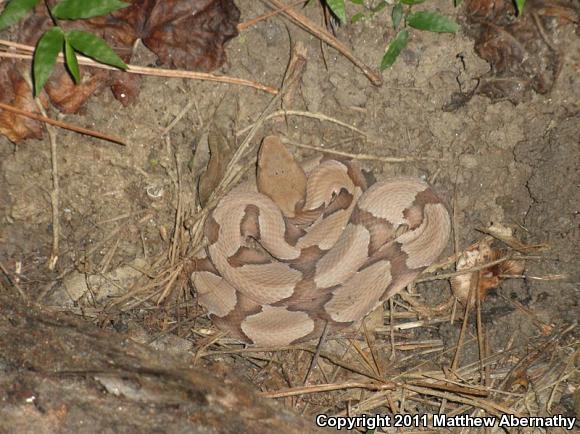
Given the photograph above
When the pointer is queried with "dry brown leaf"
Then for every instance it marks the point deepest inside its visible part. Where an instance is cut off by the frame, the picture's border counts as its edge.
(522, 50)
(482, 280)
(17, 94)
(183, 33)
(191, 34)
(221, 141)
(68, 97)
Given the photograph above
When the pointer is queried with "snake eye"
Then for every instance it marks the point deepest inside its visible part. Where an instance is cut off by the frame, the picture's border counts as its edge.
(336, 192)
(401, 229)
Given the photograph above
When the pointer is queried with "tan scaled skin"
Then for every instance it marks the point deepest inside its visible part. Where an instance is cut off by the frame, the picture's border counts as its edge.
(334, 250)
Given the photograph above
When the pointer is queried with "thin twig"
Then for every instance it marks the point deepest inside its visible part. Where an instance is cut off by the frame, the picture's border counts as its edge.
(370, 344)
(364, 358)
(323, 35)
(327, 388)
(319, 116)
(243, 26)
(455, 229)
(392, 328)
(544, 328)
(358, 156)
(481, 336)
(512, 242)
(446, 276)
(542, 32)
(174, 249)
(13, 282)
(179, 116)
(489, 406)
(63, 125)
(321, 342)
(472, 293)
(143, 70)
(55, 193)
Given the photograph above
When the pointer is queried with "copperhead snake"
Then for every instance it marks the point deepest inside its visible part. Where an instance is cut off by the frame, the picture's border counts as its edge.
(273, 277)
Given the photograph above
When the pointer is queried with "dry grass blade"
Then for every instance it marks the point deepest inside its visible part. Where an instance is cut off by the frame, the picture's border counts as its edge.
(452, 387)
(311, 115)
(364, 358)
(331, 358)
(489, 406)
(431, 389)
(372, 348)
(368, 157)
(327, 388)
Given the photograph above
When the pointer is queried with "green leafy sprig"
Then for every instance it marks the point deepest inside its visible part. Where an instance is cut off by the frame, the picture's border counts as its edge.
(55, 40)
(423, 20)
(401, 14)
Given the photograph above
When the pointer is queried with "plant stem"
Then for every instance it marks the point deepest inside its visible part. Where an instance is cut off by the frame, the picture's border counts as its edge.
(54, 20)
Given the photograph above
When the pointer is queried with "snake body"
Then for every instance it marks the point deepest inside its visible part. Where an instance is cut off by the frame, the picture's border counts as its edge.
(275, 278)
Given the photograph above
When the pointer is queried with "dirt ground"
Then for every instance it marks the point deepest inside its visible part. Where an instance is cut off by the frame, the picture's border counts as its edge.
(492, 162)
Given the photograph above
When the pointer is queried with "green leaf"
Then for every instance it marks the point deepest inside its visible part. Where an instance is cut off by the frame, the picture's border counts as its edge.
(397, 15)
(379, 7)
(338, 8)
(71, 61)
(77, 9)
(357, 17)
(412, 2)
(14, 11)
(432, 21)
(395, 49)
(357, 2)
(520, 6)
(45, 54)
(95, 48)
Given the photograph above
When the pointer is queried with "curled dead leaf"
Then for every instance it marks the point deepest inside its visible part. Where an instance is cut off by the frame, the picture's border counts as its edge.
(221, 141)
(522, 50)
(191, 34)
(485, 279)
(183, 33)
(17, 94)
